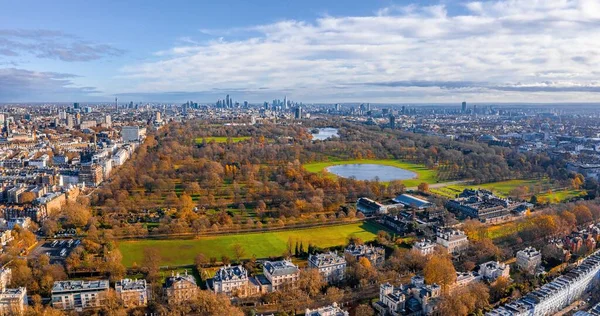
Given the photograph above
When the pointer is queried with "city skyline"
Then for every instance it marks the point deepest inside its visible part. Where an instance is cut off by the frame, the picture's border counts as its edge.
(317, 51)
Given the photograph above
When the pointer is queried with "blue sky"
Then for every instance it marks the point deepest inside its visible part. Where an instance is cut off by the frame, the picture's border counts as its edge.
(312, 51)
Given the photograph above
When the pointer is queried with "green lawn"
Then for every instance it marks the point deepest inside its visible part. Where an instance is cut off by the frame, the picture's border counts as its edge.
(423, 174)
(183, 251)
(559, 196)
(221, 139)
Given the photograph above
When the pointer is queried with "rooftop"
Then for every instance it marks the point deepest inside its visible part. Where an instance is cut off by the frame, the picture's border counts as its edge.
(69, 286)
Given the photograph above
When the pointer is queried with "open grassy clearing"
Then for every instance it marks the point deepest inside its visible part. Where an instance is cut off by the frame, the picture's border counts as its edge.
(423, 174)
(179, 252)
(559, 196)
(221, 139)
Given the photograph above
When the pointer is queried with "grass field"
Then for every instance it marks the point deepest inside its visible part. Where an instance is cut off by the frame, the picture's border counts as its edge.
(559, 196)
(221, 139)
(423, 174)
(183, 251)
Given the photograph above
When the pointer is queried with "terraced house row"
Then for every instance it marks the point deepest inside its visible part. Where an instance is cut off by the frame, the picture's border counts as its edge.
(556, 295)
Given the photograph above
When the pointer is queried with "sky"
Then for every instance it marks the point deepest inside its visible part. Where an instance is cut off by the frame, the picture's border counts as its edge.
(534, 51)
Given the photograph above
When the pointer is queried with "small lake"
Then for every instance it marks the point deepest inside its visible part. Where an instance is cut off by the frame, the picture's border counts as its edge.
(370, 171)
(325, 133)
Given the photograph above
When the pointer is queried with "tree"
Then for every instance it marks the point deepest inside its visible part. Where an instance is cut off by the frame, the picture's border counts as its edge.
(583, 214)
(383, 237)
(225, 260)
(363, 310)
(499, 287)
(440, 270)
(423, 187)
(577, 181)
(311, 282)
(76, 215)
(238, 252)
(211, 304)
(151, 263)
(50, 227)
(200, 261)
(464, 301)
(334, 294)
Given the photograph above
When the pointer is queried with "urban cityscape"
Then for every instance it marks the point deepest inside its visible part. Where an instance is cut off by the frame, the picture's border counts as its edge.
(283, 168)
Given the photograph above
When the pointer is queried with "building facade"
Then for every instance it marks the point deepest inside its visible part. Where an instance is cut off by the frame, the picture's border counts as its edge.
(529, 259)
(180, 288)
(133, 293)
(331, 266)
(231, 281)
(375, 255)
(331, 310)
(280, 273)
(492, 270)
(556, 295)
(424, 247)
(79, 295)
(453, 240)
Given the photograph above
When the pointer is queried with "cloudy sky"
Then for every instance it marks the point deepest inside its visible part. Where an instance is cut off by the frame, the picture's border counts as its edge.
(312, 50)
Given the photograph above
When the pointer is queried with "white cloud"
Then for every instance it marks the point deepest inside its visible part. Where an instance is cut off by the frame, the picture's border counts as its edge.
(497, 50)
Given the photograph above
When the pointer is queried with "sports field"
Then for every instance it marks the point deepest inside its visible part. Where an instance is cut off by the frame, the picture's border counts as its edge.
(175, 252)
(423, 174)
(221, 139)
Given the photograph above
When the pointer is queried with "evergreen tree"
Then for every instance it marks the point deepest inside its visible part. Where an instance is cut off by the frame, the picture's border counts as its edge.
(296, 252)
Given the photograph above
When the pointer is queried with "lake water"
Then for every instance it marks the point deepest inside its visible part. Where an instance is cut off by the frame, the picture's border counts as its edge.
(370, 171)
(325, 133)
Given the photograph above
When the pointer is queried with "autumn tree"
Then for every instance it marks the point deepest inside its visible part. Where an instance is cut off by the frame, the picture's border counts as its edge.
(423, 187)
(76, 214)
(238, 252)
(200, 261)
(334, 294)
(211, 304)
(311, 282)
(464, 301)
(440, 270)
(363, 310)
(151, 263)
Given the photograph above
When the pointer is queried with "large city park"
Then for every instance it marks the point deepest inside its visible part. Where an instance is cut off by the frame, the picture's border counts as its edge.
(266, 231)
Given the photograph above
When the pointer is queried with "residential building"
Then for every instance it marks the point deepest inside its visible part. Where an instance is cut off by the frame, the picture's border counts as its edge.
(133, 293)
(13, 301)
(180, 288)
(5, 237)
(424, 247)
(529, 259)
(79, 295)
(376, 255)
(416, 298)
(280, 273)
(453, 240)
(132, 133)
(330, 265)
(91, 174)
(5, 277)
(493, 269)
(465, 278)
(232, 281)
(556, 295)
(331, 310)
(23, 222)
